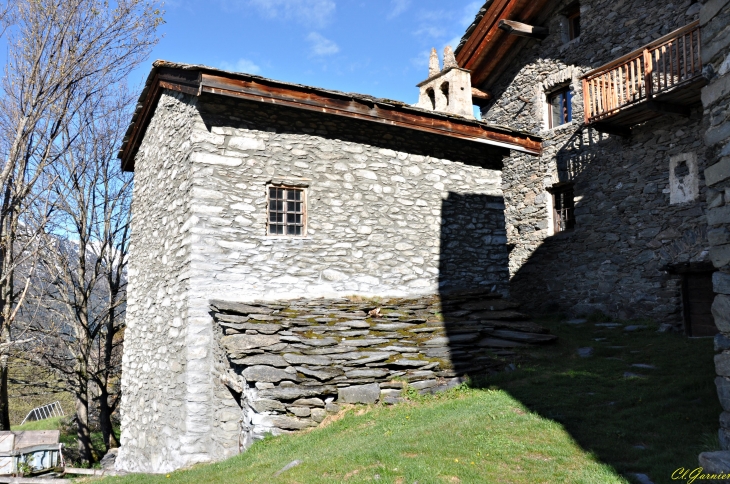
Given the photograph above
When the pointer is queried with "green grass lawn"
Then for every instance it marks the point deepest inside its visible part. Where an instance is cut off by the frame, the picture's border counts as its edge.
(468, 435)
(47, 424)
(556, 418)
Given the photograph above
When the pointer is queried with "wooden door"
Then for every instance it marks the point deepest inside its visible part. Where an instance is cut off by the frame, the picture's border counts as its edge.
(697, 298)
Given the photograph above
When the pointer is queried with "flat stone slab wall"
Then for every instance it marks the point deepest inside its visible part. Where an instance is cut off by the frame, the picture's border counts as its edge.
(293, 362)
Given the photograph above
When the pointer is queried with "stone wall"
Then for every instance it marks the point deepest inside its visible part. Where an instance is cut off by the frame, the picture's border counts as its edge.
(388, 215)
(715, 24)
(293, 362)
(158, 425)
(627, 228)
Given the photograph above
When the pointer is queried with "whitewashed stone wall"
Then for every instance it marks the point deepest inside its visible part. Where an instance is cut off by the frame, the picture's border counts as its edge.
(374, 214)
(627, 229)
(390, 213)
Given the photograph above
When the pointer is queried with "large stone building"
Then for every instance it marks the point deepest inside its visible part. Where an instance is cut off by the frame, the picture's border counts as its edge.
(606, 193)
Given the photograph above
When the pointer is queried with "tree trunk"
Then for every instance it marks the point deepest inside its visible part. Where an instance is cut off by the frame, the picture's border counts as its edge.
(105, 421)
(83, 433)
(4, 405)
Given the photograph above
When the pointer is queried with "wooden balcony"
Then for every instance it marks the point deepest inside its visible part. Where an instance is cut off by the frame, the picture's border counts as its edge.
(662, 77)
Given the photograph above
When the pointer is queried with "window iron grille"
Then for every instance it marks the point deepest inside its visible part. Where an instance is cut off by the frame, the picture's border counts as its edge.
(287, 211)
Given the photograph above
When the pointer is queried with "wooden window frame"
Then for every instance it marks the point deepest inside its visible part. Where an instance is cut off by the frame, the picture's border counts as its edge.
(567, 102)
(563, 213)
(284, 222)
(574, 23)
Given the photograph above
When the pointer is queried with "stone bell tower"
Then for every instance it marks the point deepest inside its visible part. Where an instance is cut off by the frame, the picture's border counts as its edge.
(447, 90)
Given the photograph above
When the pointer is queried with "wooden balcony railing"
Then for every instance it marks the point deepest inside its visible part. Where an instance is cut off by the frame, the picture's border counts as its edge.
(661, 66)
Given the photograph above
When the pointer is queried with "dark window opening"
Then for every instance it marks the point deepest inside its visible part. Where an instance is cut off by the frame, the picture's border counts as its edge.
(697, 299)
(574, 22)
(563, 208)
(286, 211)
(681, 171)
(561, 110)
(432, 96)
(445, 90)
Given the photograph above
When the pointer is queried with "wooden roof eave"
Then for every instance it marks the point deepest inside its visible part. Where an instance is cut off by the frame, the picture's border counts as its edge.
(257, 89)
(488, 48)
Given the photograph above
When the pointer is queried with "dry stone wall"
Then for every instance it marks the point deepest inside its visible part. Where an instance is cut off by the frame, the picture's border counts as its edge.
(293, 362)
(715, 25)
(627, 229)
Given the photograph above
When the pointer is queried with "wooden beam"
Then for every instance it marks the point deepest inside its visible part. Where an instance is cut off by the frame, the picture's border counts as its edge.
(523, 30)
(480, 98)
(611, 129)
(668, 108)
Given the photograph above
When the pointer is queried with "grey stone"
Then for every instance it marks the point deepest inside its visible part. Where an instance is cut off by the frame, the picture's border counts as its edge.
(722, 364)
(291, 423)
(718, 216)
(367, 394)
(364, 342)
(720, 171)
(391, 326)
(296, 392)
(420, 385)
(266, 374)
(629, 374)
(332, 408)
(265, 359)
(242, 342)
(319, 342)
(722, 342)
(307, 359)
(715, 462)
(322, 373)
(644, 366)
(319, 414)
(366, 373)
(635, 327)
(309, 402)
(262, 405)
(300, 411)
(721, 282)
(720, 255)
(723, 392)
(642, 478)
(721, 312)
(585, 352)
(523, 337)
(239, 308)
(407, 363)
(576, 321)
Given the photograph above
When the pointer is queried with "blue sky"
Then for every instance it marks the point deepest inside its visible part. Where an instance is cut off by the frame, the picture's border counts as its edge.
(377, 47)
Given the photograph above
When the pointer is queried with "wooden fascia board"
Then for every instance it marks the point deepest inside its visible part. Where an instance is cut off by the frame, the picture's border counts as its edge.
(366, 110)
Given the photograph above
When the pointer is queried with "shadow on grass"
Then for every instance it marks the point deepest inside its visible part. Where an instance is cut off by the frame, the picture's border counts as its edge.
(652, 418)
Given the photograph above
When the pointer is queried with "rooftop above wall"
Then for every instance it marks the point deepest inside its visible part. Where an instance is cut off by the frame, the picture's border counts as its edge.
(197, 80)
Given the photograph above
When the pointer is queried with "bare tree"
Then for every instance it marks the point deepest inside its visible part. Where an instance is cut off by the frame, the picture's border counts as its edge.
(81, 284)
(62, 54)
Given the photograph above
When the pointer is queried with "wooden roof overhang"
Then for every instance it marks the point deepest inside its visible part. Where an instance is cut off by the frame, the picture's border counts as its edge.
(197, 80)
(486, 48)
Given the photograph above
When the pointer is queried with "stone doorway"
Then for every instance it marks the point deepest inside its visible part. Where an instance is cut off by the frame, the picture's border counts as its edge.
(697, 297)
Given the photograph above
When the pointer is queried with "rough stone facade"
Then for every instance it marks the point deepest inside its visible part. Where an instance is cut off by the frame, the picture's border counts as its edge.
(293, 362)
(629, 225)
(391, 212)
(715, 24)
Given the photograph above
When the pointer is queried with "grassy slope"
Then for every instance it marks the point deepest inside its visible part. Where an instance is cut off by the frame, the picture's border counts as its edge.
(557, 418)
(466, 436)
(47, 424)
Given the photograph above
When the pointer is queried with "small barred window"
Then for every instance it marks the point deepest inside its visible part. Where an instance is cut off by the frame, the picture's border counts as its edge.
(563, 208)
(287, 214)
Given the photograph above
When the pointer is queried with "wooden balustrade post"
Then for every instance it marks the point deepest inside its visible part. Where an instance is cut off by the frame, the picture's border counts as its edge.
(586, 102)
(648, 69)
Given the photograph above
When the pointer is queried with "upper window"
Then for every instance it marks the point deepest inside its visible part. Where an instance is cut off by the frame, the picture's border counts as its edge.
(287, 211)
(572, 13)
(563, 208)
(561, 111)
